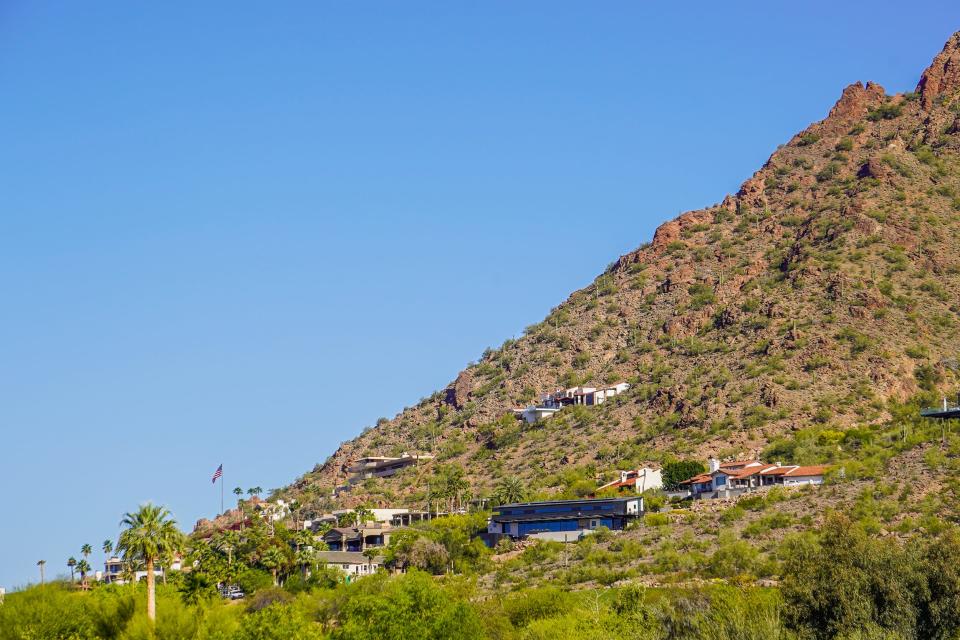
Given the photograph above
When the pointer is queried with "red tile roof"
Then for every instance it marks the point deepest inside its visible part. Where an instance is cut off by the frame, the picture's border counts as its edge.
(744, 469)
(815, 470)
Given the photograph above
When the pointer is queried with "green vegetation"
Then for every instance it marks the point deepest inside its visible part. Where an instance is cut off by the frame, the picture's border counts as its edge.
(886, 111)
(676, 472)
(840, 584)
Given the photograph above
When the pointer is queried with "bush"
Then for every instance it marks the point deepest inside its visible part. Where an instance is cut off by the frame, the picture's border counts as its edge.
(252, 580)
(266, 597)
(535, 604)
(278, 622)
(51, 611)
(885, 111)
(400, 607)
(656, 519)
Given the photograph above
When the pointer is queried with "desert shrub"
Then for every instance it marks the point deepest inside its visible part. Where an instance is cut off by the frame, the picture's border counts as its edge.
(656, 519)
(51, 611)
(411, 605)
(886, 111)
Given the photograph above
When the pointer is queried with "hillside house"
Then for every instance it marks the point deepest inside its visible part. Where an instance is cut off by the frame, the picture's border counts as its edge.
(587, 396)
(113, 572)
(352, 563)
(724, 479)
(524, 519)
(358, 539)
(535, 413)
(636, 480)
(583, 396)
(383, 466)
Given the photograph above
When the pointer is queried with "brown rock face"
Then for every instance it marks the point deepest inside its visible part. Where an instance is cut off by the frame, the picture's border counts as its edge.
(942, 77)
(854, 103)
(457, 393)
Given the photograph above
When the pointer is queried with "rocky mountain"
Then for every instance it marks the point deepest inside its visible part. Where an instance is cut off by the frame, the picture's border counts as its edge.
(821, 291)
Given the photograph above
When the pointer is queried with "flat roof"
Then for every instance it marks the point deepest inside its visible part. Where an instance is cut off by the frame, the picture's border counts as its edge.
(941, 413)
(551, 517)
(551, 502)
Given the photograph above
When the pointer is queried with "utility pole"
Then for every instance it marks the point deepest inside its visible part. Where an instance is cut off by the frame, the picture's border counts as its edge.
(41, 563)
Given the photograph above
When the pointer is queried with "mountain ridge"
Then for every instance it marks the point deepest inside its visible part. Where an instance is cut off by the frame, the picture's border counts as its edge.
(815, 295)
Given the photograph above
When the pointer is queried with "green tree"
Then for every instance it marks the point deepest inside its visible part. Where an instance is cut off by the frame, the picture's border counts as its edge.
(361, 515)
(84, 568)
(273, 559)
(676, 472)
(107, 548)
(847, 585)
(510, 489)
(72, 562)
(150, 533)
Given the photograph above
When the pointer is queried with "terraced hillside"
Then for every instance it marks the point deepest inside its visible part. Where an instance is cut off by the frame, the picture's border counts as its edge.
(793, 317)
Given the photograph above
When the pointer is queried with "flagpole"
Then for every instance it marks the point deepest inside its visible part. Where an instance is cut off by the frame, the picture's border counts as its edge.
(221, 493)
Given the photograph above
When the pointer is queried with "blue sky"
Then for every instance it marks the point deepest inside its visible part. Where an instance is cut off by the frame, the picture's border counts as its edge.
(220, 220)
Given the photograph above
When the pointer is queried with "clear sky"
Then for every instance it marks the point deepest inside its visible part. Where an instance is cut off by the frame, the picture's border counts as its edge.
(238, 232)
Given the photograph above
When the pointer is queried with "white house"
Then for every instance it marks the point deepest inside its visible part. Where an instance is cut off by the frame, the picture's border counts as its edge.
(553, 402)
(113, 571)
(638, 480)
(746, 475)
(535, 413)
(384, 466)
(351, 562)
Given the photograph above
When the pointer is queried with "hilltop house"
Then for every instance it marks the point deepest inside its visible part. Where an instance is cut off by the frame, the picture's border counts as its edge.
(574, 517)
(636, 480)
(724, 479)
(383, 466)
(553, 402)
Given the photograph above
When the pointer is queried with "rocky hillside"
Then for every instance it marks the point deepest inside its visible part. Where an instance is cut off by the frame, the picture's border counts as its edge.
(823, 289)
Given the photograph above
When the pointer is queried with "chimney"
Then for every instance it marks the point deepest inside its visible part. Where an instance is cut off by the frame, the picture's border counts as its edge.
(778, 463)
(713, 464)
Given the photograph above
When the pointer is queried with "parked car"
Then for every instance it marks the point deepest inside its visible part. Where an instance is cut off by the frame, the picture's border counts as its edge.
(231, 592)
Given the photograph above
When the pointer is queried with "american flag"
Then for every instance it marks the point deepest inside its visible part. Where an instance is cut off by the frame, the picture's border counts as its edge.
(217, 474)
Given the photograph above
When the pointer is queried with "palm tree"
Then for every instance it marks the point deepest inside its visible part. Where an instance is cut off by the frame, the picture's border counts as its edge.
(361, 514)
(41, 563)
(370, 554)
(257, 491)
(72, 562)
(237, 491)
(84, 568)
(107, 548)
(510, 489)
(227, 542)
(273, 559)
(151, 533)
(86, 550)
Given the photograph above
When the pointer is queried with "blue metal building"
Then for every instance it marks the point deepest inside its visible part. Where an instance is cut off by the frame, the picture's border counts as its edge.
(525, 518)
